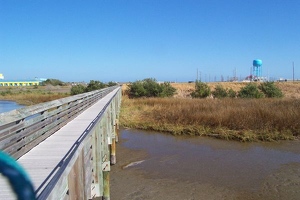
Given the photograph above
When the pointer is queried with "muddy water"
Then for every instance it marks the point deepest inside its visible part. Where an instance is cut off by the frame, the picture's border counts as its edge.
(160, 166)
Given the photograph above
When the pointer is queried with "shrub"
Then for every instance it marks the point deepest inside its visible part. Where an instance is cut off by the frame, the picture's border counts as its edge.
(231, 93)
(94, 85)
(270, 90)
(220, 92)
(77, 89)
(167, 90)
(150, 88)
(201, 90)
(53, 82)
(111, 83)
(250, 91)
(136, 89)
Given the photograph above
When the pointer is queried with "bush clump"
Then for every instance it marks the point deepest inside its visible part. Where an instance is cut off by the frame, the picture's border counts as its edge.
(150, 88)
(77, 89)
(93, 85)
(202, 90)
(250, 91)
(220, 92)
(270, 90)
(231, 93)
(53, 82)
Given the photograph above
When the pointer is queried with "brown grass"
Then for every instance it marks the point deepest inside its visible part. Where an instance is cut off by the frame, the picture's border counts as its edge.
(236, 119)
(239, 119)
(33, 95)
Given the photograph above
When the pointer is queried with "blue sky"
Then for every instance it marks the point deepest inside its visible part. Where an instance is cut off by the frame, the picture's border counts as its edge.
(129, 40)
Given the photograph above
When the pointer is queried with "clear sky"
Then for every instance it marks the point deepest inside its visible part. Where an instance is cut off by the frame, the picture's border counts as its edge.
(129, 40)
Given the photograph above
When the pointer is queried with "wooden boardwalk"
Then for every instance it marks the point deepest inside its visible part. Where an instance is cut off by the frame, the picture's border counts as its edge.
(42, 159)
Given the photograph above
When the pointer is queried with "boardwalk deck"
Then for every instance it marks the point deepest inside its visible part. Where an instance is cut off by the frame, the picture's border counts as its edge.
(42, 159)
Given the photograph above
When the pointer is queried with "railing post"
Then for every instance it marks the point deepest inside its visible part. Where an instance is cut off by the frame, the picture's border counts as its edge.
(113, 158)
(106, 156)
(97, 184)
(106, 191)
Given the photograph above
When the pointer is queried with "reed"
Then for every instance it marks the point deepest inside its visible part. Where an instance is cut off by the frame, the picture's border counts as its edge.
(236, 119)
(32, 95)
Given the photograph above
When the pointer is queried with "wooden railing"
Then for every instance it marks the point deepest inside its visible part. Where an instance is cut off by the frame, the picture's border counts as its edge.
(84, 171)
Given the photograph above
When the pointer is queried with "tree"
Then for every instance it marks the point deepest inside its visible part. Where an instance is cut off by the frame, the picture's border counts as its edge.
(250, 91)
(201, 90)
(270, 90)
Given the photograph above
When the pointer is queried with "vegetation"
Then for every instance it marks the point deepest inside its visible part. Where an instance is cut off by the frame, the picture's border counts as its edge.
(245, 119)
(201, 90)
(93, 85)
(51, 89)
(231, 93)
(220, 92)
(235, 119)
(111, 83)
(53, 82)
(270, 90)
(150, 88)
(77, 89)
(250, 91)
(33, 95)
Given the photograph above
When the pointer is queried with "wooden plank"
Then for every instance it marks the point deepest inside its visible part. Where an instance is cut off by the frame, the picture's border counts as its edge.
(76, 180)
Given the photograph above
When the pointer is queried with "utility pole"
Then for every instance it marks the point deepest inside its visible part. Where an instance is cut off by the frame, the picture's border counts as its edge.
(200, 76)
(293, 72)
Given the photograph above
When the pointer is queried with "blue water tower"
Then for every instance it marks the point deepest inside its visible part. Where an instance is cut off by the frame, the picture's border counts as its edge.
(257, 69)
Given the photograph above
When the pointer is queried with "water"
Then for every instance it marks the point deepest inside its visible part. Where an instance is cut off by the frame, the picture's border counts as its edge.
(6, 106)
(248, 170)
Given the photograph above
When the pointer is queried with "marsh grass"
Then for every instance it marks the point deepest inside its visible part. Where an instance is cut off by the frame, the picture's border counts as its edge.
(234, 119)
(33, 95)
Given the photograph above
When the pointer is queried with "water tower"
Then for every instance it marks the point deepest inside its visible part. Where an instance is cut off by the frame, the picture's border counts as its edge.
(257, 69)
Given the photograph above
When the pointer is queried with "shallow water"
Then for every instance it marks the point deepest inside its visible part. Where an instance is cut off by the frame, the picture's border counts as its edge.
(6, 106)
(251, 170)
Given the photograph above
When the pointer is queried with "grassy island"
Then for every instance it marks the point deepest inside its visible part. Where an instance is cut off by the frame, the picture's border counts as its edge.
(266, 119)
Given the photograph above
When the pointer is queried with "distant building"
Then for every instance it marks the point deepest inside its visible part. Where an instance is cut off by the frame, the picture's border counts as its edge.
(34, 82)
(40, 79)
(19, 83)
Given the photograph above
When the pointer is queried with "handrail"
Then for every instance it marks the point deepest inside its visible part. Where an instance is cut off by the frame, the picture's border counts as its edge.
(24, 128)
